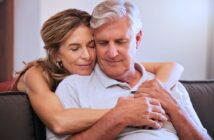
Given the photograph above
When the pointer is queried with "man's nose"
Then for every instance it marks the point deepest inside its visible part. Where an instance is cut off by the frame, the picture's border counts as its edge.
(112, 50)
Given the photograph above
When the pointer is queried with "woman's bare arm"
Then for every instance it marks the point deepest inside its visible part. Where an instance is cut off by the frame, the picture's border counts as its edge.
(167, 72)
(48, 107)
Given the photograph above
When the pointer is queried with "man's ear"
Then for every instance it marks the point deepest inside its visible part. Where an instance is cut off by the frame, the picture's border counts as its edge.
(139, 38)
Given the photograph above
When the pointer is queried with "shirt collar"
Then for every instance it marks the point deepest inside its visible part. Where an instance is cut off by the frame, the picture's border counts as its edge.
(103, 78)
(109, 82)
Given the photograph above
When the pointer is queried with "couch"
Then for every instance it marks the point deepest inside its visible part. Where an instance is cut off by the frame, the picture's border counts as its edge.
(19, 122)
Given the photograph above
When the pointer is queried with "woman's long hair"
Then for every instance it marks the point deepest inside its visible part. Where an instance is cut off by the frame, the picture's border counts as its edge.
(55, 31)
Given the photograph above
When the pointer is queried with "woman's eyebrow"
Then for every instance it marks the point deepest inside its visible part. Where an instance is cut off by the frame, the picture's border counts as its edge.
(74, 44)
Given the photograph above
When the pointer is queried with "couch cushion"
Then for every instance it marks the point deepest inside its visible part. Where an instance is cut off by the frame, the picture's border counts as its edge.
(202, 97)
(17, 120)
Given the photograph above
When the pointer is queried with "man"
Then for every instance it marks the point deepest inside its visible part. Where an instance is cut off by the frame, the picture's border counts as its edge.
(117, 32)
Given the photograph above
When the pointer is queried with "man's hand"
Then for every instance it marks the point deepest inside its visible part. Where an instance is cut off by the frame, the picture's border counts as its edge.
(129, 111)
(142, 111)
(153, 89)
(177, 115)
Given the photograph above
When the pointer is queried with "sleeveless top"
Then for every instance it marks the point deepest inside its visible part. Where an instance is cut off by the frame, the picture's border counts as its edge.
(10, 85)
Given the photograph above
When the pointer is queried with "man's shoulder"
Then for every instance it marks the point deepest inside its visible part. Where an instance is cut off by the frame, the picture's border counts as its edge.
(180, 92)
(179, 87)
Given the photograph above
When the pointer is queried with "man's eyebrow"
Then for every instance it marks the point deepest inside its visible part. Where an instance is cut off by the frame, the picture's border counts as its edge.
(101, 40)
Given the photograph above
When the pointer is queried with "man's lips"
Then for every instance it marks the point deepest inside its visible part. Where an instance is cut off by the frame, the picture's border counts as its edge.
(113, 61)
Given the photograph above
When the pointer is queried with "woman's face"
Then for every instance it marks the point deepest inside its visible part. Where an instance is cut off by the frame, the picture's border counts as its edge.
(77, 52)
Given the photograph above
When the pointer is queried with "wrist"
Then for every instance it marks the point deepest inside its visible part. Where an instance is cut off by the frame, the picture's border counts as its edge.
(119, 117)
(173, 109)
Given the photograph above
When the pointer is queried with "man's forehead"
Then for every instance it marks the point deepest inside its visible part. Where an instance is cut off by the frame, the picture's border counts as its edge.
(116, 29)
(112, 23)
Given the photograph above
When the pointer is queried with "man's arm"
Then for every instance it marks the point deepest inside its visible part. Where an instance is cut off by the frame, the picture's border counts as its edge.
(186, 128)
(182, 116)
(107, 128)
(128, 112)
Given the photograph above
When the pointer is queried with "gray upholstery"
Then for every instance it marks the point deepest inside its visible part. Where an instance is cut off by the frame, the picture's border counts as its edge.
(202, 97)
(19, 122)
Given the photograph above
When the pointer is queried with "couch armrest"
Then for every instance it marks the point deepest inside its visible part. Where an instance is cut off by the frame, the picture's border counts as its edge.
(17, 119)
(202, 97)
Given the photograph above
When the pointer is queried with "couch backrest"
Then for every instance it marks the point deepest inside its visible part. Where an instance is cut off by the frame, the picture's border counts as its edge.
(17, 120)
(202, 97)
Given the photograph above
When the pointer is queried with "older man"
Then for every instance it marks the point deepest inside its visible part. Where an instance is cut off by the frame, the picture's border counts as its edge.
(117, 32)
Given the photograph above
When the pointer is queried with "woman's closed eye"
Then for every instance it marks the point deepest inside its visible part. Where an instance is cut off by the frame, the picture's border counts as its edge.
(91, 44)
(74, 47)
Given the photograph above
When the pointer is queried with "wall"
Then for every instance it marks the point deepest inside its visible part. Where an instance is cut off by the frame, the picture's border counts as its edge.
(177, 31)
(210, 57)
(27, 44)
(172, 31)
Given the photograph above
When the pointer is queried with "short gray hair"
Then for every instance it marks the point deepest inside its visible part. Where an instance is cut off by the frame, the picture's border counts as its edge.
(110, 10)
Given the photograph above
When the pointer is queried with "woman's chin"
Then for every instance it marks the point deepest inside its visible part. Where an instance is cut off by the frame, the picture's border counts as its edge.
(84, 73)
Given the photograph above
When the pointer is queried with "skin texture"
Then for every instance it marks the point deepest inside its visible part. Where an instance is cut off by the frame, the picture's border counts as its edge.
(77, 52)
(113, 50)
(177, 115)
(128, 112)
(74, 52)
(116, 47)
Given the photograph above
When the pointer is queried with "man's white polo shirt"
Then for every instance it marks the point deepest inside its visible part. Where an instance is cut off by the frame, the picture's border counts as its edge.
(98, 91)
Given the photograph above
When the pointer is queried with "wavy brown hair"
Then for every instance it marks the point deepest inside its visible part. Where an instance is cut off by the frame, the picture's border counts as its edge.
(54, 32)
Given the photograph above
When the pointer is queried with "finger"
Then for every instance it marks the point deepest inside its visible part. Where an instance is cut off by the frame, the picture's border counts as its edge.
(158, 109)
(161, 123)
(137, 95)
(146, 83)
(140, 95)
(147, 127)
(154, 101)
(145, 90)
(158, 116)
(151, 83)
(153, 124)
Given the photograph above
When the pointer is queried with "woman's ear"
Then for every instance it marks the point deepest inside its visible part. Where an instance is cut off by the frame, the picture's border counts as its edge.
(54, 55)
(139, 38)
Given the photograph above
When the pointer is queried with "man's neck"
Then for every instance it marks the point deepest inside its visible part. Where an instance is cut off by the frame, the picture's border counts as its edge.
(131, 77)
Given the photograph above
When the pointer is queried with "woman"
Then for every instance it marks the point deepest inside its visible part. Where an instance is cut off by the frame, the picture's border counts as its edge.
(70, 50)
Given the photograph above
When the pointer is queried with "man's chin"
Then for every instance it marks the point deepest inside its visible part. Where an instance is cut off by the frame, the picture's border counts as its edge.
(112, 74)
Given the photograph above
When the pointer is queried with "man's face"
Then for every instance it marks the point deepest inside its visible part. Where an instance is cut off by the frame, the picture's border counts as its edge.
(116, 47)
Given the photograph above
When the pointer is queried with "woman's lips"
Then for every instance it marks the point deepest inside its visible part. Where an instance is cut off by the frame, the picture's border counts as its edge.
(85, 65)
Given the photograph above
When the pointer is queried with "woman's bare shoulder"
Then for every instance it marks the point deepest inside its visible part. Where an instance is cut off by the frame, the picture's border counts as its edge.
(34, 70)
(34, 78)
